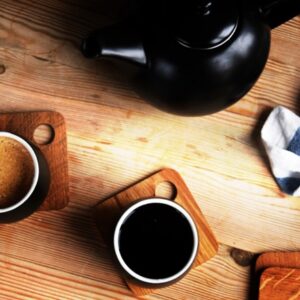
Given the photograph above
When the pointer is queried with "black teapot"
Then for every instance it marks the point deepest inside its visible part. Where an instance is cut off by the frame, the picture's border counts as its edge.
(193, 57)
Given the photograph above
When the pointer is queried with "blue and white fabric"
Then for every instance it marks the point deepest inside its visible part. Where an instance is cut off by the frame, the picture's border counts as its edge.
(281, 138)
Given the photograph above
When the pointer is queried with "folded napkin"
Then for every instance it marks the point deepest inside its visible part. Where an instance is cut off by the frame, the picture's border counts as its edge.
(281, 138)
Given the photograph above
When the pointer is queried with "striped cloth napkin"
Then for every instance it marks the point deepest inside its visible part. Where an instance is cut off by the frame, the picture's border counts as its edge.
(281, 138)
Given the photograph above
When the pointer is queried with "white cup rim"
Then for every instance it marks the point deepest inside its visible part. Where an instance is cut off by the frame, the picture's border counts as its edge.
(36, 170)
(117, 234)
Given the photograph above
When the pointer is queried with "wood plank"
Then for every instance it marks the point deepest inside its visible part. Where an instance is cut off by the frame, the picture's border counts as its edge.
(67, 241)
(59, 284)
(85, 278)
(226, 185)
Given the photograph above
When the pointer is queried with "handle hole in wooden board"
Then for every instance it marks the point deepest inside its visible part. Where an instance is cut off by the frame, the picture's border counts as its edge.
(44, 134)
(166, 189)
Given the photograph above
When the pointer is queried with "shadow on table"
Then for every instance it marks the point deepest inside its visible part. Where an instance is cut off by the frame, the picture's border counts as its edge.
(88, 242)
(253, 292)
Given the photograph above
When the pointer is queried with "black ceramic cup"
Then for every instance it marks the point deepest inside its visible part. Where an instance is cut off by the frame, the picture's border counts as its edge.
(155, 242)
(37, 191)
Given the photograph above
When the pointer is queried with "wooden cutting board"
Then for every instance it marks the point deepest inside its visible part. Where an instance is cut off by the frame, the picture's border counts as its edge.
(280, 284)
(278, 259)
(108, 212)
(24, 125)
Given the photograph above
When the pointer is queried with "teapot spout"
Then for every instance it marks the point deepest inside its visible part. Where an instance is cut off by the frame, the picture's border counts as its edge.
(121, 41)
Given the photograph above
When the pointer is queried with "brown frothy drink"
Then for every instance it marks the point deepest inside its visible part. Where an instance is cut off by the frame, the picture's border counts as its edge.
(16, 171)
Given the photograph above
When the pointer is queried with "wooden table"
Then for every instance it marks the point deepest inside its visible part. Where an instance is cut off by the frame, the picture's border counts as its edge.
(115, 139)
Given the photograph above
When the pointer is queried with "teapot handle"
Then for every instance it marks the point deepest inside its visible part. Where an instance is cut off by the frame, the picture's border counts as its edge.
(277, 12)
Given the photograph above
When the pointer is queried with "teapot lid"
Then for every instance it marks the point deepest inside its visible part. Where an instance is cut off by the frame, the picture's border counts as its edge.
(204, 24)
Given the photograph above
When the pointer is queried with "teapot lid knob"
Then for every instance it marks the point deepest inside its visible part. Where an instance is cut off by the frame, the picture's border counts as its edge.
(204, 24)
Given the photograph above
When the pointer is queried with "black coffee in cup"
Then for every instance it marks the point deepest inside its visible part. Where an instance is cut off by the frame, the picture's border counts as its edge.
(156, 241)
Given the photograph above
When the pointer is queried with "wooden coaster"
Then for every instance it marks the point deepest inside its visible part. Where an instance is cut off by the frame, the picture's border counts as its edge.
(280, 284)
(270, 260)
(108, 212)
(24, 124)
(278, 259)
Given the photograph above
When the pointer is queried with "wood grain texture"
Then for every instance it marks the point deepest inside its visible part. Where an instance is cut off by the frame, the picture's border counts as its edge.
(108, 212)
(55, 152)
(278, 259)
(115, 138)
(280, 284)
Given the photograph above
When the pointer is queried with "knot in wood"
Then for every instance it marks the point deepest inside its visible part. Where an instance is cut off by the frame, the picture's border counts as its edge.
(2, 69)
(241, 257)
